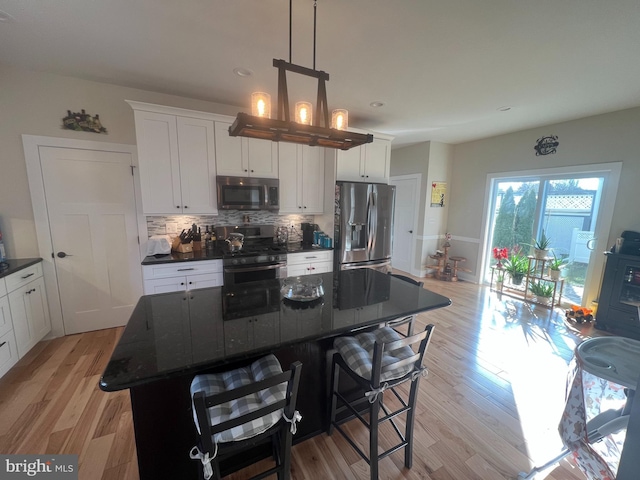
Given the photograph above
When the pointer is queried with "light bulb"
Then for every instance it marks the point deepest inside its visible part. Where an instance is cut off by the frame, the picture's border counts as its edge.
(261, 104)
(340, 119)
(303, 113)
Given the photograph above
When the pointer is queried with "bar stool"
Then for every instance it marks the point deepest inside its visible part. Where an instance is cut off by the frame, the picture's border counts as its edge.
(244, 407)
(409, 319)
(378, 361)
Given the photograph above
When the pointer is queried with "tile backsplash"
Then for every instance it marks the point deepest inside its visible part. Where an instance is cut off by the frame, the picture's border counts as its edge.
(161, 225)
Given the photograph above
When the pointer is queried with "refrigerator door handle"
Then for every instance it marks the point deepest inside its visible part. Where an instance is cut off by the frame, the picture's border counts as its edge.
(369, 222)
(374, 221)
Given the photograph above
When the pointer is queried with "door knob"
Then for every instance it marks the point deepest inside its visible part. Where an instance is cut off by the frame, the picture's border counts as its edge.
(62, 255)
(410, 231)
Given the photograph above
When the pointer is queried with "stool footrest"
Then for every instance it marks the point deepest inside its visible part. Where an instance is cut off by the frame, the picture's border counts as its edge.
(352, 443)
(394, 449)
(364, 456)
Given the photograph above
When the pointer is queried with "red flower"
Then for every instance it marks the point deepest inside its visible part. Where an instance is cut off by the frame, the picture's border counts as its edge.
(500, 253)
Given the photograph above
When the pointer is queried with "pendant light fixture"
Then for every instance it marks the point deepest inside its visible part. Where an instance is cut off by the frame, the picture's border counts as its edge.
(306, 128)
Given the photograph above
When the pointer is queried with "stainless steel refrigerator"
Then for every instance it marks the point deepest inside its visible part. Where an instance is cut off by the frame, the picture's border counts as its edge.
(363, 225)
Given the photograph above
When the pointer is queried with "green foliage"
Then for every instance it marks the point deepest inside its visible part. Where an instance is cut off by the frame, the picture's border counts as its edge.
(557, 263)
(503, 230)
(516, 264)
(542, 243)
(541, 288)
(524, 217)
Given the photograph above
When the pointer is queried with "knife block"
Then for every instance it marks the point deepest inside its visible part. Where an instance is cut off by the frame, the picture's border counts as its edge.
(177, 246)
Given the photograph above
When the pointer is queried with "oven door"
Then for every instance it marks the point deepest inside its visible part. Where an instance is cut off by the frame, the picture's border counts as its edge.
(237, 274)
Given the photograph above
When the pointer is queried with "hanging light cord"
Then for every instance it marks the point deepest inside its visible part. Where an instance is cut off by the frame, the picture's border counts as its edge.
(315, 8)
(290, 23)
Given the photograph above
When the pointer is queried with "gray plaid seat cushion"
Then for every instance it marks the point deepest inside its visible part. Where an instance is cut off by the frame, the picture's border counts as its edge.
(357, 352)
(211, 384)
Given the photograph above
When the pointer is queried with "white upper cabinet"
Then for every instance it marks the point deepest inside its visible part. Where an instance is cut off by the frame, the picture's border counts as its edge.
(367, 163)
(244, 157)
(196, 149)
(176, 155)
(228, 151)
(301, 179)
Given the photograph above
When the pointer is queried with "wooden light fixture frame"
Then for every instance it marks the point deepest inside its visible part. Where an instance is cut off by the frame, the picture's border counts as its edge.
(282, 129)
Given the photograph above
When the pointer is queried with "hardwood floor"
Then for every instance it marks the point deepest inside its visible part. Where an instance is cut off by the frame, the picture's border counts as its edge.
(488, 409)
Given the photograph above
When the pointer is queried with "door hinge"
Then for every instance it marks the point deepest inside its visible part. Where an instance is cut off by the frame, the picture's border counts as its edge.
(132, 167)
(138, 239)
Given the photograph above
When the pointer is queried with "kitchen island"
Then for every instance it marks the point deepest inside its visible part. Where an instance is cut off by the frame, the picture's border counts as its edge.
(172, 337)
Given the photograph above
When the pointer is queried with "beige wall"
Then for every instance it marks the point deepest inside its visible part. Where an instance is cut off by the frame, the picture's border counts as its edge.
(35, 103)
(433, 161)
(613, 137)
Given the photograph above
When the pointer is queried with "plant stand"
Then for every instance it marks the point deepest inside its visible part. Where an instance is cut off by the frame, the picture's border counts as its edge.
(443, 269)
(537, 269)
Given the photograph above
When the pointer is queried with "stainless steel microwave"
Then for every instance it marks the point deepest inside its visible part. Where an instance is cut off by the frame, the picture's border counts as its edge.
(240, 193)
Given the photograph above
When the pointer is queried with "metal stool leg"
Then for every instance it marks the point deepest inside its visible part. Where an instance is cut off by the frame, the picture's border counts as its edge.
(335, 376)
(374, 413)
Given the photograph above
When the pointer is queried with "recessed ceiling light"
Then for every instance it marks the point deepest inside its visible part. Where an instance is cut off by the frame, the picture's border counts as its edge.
(504, 109)
(376, 104)
(5, 17)
(242, 72)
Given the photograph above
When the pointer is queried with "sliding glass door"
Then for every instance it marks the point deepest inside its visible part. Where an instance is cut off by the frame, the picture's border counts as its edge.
(563, 207)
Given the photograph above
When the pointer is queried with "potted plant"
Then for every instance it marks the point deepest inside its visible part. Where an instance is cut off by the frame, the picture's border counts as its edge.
(555, 266)
(517, 266)
(542, 291)
(541, 246)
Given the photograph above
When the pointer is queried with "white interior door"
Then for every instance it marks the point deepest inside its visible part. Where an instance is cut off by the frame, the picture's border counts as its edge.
(92, 215)
(404, 221)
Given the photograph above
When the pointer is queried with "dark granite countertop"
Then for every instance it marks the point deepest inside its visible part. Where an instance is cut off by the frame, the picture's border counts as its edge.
(298, 247)
(216, 254)
(13, 265)
(182, 257)
(174, 334)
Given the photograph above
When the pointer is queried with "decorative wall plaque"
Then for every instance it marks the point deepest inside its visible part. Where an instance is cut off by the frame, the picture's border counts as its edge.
(438, 190)
(547, 145)
(83, 122)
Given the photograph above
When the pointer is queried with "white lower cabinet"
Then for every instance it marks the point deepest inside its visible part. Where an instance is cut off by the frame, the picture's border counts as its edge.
(30, 314)
(24, 314)
(176, 277)
(309, 263)
(8, 352)
(8, 349)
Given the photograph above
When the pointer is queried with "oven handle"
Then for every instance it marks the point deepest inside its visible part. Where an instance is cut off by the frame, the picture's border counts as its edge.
(253, 269)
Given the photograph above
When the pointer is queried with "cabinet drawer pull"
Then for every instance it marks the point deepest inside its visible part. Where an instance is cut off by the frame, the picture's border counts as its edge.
(311, 257)
(3, 344)
(29, 292)
(185, 269)
(27, 276)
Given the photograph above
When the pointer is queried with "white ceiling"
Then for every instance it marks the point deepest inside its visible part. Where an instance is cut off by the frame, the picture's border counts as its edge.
(441, 67)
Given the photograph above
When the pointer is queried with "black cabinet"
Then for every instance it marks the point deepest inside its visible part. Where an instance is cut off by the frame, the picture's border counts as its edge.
(619, 303)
